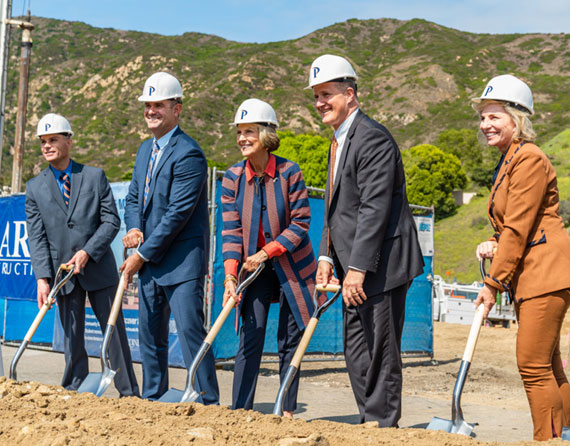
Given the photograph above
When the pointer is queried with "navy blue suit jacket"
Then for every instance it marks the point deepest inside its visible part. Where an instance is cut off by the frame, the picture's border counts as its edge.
(174, 219)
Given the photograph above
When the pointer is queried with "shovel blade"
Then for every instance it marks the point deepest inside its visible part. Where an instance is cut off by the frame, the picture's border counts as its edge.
(179, 396)
(566, 433)
(97, 383)
(460, 427)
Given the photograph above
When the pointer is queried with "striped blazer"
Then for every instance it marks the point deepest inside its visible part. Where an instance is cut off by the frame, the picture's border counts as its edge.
(282, 203)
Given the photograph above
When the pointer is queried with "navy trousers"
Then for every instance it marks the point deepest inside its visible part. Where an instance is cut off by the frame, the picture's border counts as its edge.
(254, 311)
(72, 314)
(185, 300)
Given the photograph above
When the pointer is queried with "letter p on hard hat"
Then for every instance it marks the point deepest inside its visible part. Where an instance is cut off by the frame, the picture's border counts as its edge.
(329, 68)
(161, 86)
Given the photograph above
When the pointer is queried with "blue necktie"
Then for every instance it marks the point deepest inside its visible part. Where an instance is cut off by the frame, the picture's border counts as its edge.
(64, 178)
(155, 150)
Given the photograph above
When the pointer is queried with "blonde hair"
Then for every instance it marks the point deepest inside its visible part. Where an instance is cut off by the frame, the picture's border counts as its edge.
(268, 137)
(523, 127)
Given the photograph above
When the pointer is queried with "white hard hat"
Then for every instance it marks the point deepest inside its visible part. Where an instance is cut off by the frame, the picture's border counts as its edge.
(509, 89)
(328, 68)
(52, 124)
(161, 86)
(255, 111)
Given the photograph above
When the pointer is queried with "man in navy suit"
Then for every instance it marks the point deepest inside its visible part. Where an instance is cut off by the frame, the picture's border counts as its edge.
(71, 217)
(167, 209)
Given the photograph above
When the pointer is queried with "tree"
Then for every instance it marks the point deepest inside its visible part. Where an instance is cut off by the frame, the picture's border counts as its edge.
(431, 176)
(310, 152)
(478, 160)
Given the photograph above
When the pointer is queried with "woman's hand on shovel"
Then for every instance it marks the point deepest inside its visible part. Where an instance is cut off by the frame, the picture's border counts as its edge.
(487, 296)
(230, 291)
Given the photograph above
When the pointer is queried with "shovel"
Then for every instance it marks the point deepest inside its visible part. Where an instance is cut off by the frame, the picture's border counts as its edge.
(97, 383)
(457, 425)
(189, 394)
(59, 283)
(304, 343)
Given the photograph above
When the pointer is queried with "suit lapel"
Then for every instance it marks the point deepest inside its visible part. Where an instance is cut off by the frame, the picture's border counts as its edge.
(76, 179)
(53, 188)
(345, 151)
(167, 153)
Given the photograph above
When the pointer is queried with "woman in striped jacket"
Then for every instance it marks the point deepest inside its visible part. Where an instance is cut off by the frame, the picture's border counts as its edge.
(266, 219)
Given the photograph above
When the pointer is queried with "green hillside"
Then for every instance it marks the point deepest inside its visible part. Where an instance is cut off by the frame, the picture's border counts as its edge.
(416, 77)
(457, 237)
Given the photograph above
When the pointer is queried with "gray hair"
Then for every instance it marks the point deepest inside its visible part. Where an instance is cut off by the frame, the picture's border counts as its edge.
(268, 137)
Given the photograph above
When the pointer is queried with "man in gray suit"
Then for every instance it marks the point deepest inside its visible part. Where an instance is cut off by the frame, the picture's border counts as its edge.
(71, 218)
(370, 239)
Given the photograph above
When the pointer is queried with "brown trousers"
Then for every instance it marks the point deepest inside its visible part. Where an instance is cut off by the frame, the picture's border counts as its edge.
(539, 362)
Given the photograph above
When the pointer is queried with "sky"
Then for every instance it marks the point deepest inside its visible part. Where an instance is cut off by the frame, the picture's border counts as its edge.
(276, 20)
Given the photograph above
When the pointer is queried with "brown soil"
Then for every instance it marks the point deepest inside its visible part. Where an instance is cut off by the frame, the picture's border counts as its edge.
(37, 414)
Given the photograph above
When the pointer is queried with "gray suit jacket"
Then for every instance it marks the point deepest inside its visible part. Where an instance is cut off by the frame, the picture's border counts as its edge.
(371, 225)
(56, 232)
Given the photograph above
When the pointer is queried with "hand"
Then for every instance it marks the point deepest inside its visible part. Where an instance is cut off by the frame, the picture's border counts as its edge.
(486, 250)
(352, 291)
(487, 296)
(43, 292)
(230, 291)
(80, 259)
(325, 274)
(130, 266)
(131, 239)
(252, 262)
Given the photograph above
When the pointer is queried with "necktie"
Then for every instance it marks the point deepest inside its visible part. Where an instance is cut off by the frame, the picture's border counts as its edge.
(155, 150)
(332, 162)
(64, 178)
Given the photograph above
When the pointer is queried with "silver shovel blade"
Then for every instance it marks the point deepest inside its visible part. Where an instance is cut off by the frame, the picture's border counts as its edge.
(440, 424)
(566, 433)
(179, 396)
(97, 383)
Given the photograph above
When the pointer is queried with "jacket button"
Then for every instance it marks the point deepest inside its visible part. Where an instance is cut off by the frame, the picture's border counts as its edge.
(70, 225)
(263, 207)
(267, 234)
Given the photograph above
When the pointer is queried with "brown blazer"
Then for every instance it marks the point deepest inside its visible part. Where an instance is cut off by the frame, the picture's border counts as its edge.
(533, 254)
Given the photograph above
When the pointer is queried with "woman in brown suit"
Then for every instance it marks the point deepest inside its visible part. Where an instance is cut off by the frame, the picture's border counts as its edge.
(530, 249)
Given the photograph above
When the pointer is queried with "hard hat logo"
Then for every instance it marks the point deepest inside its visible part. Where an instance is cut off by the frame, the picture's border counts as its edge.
(243, 114)
(48, 126)
(316, 71)
(151, 90)
(488, 90)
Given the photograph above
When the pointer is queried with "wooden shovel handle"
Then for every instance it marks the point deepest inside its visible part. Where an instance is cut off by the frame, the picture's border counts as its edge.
(117, 302)
(226, 310)
(474, 333)
(328, 288)
(304, 343)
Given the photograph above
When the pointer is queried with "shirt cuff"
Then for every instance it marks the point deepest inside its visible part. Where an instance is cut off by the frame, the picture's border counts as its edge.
(230, 267)
(326, 259)
(274, 249)
(141, 256)
(356, 269)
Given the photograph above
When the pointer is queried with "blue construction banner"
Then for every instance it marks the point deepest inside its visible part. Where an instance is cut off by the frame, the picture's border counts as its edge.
(18, 291)
(16, 275)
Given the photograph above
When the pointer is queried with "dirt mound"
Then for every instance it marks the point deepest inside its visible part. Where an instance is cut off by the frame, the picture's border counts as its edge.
(37, 414)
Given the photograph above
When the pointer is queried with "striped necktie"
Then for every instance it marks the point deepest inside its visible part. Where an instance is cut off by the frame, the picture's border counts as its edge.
(155, 150)
(64, 178)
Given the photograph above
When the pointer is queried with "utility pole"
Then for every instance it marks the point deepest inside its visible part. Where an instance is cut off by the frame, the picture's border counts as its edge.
(25, 54)
(5, 15)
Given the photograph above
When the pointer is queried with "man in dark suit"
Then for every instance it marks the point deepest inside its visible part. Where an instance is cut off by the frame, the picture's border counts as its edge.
(71, 217)
(369, 237)
(167, 209)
